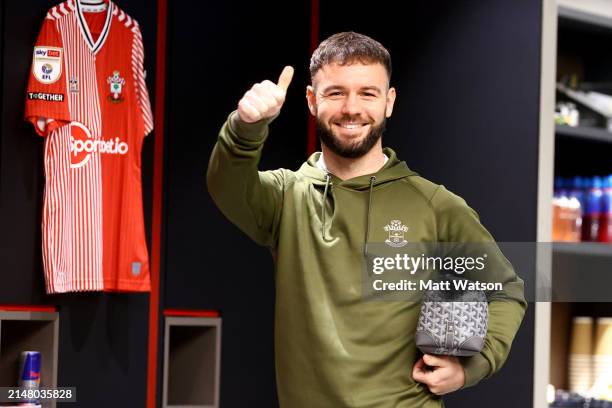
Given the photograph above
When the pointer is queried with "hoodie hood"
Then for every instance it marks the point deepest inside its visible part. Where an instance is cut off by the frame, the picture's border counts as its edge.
(392, 170)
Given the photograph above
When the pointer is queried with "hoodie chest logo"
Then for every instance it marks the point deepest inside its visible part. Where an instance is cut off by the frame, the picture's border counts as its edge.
(396, 232)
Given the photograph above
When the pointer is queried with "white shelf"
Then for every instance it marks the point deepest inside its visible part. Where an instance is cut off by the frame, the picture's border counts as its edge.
(587, 17)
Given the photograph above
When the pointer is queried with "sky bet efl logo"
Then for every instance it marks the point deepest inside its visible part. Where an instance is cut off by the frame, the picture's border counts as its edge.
(83, 145)
(47, 65)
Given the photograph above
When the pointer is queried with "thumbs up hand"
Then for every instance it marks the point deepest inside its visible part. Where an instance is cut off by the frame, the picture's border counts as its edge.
(265, 99)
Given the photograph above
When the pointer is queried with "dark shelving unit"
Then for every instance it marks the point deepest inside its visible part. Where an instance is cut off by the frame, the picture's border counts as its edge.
(583, 249)
(583, 132)
(580, 272)
(588, 21)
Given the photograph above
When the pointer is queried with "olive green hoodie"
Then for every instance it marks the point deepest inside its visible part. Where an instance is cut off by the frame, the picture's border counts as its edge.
(334, 349)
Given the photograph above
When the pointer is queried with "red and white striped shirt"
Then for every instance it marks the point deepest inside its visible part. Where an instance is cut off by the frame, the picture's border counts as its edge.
(87, 96)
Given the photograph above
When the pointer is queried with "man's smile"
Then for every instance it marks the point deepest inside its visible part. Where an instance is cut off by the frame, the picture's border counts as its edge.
(351, 127)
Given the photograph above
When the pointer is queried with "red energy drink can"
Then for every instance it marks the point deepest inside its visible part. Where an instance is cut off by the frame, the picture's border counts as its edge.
(29, 369)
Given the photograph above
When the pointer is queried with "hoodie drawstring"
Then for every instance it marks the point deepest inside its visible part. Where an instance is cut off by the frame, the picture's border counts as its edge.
(327, 178)
(323, 212)
(367, 237)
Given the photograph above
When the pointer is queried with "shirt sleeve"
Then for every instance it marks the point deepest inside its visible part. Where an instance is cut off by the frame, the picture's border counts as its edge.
(46, 99)
(458, 223)
(142, 94)
(249, 198)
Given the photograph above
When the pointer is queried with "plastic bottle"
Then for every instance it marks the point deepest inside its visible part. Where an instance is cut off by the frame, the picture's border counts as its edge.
(574, 210)
(579, 190)
(592, 210)
(558, 203)
(605, 218)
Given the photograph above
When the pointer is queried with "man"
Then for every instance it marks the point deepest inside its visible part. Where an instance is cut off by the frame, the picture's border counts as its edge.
(334, 348)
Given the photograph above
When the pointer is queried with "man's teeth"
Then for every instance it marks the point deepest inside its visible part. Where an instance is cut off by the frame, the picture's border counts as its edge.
(351, 125)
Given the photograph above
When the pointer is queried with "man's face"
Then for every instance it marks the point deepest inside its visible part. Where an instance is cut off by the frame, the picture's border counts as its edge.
(351, 104)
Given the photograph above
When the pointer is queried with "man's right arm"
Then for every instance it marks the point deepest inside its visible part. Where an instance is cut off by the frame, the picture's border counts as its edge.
(251, 199)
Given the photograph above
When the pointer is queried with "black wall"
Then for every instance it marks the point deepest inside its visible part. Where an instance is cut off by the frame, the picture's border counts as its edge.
(103, 337)
(216, 52)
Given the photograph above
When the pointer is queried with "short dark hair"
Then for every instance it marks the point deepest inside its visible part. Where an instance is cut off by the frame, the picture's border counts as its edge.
(347, 48)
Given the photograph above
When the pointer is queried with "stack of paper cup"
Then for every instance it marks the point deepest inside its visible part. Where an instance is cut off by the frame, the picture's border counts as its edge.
(580, 357)
(602, 358)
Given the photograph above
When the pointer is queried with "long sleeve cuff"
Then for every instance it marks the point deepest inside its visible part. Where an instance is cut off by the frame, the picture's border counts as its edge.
(476, 368)
(256, 131)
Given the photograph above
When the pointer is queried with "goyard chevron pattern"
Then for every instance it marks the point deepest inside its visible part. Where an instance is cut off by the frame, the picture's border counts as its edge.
(452, 328)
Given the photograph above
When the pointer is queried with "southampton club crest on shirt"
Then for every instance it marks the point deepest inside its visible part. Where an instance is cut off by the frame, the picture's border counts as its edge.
(396, 232)
(116, 86)
(74, 84)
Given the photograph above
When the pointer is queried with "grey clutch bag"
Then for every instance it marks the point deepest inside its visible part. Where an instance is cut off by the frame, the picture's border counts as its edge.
(452, 322)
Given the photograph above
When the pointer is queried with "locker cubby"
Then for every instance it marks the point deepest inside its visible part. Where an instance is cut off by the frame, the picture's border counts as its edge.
(29, 331)
(192, 356)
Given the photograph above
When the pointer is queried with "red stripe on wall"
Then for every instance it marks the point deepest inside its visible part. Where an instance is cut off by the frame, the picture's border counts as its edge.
(191, 313)
(27, 308)
(311, 144)
(158, 154)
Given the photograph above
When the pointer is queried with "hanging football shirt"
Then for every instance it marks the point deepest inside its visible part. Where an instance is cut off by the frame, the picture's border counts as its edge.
(87, 96)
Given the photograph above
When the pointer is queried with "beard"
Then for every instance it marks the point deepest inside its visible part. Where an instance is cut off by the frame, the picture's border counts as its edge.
(350, 150)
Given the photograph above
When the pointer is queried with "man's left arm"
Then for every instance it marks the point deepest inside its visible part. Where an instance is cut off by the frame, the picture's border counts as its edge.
(458, 223)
